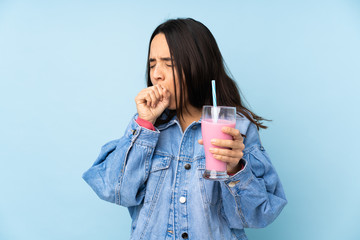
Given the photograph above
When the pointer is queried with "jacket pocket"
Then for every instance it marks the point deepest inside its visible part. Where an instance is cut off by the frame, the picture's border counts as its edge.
(160, 163)
(210, 190)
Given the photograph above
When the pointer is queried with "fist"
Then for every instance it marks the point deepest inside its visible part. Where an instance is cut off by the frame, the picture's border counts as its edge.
(151, 102)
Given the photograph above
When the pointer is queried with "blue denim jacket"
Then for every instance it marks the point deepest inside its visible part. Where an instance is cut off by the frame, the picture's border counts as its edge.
(157, 175)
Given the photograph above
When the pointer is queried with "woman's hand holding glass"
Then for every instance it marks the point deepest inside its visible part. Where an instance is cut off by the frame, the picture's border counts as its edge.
(232, 150)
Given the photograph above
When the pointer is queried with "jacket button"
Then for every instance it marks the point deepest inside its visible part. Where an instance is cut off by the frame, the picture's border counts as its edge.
(232, 184)
(182, 199)
(184, 235)
(187, 166)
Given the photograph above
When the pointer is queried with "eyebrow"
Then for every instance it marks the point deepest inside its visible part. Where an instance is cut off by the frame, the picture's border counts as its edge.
(163, 59)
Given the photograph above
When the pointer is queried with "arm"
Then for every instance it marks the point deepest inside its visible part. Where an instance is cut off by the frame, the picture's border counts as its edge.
(119, 173)
(122, 168)
(254, 196)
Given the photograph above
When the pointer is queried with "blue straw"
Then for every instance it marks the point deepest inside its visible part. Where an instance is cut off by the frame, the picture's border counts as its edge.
(213, 92)
(215, 112)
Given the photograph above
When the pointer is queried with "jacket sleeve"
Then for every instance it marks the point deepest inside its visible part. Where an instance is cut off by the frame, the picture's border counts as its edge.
(120, 171)
(253, 197)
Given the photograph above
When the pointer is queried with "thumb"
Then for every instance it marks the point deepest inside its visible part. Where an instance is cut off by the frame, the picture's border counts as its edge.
(200, 141)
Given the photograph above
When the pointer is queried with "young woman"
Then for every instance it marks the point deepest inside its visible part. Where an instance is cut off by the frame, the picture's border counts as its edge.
(155, 169)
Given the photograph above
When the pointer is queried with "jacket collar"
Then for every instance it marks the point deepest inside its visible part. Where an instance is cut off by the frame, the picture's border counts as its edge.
(173, 121)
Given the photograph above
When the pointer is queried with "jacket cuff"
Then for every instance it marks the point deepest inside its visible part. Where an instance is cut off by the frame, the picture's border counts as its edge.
(141, 135)
(146, 124)
(241, 165)
(240, 180)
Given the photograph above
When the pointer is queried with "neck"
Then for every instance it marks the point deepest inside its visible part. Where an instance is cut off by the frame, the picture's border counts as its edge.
(192, 115)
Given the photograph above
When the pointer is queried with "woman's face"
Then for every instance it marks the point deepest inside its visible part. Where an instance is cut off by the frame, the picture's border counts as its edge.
(161, 69)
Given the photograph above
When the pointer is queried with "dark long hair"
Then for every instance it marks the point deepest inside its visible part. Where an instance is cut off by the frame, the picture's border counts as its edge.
(196, 56)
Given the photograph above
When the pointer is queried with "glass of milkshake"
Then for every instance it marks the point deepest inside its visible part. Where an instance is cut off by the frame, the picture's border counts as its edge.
(214, 118)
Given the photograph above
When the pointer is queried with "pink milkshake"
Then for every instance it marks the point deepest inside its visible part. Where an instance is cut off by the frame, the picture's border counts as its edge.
(211, 130)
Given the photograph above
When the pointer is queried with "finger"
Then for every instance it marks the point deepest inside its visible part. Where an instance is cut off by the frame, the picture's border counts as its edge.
(161, 92)
(153, 98)
(235, 133)
(160, 87)
(146, 96)
(226, 158)
(142, 96)
(140, 99)
(232, 144)
(166, 92)
(147, 99)
(226, 143)
(200, 141)
(227, 152)
(156, 92)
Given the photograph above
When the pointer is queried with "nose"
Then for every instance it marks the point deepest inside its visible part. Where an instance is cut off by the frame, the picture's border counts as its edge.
(158, 73)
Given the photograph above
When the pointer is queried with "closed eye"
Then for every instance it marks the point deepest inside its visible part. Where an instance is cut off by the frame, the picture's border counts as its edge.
(152, 62)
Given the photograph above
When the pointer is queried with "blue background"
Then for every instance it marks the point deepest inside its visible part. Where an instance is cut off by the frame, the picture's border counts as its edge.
(69, 72)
